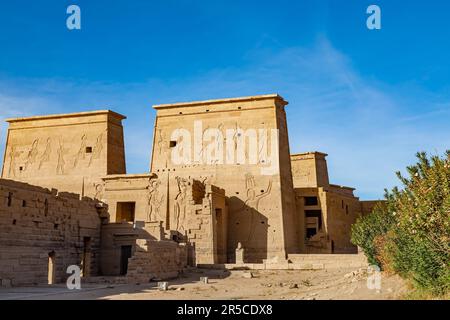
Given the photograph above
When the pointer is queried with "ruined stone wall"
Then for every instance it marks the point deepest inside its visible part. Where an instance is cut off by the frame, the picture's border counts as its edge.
(207, 224)
(36, 222)
(204, 218)
(154, 260)
(113, 237)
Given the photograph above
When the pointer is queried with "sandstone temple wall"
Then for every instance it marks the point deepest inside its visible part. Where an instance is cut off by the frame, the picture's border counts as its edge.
(154, 260)
(325, 211)
(42, 232)
(261, 208)
(68, 152)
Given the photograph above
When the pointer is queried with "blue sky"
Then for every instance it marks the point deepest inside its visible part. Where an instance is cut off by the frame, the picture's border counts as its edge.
(370, 99)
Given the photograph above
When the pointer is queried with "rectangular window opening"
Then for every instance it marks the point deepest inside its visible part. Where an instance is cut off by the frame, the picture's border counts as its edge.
(311, 201)
(125, 211)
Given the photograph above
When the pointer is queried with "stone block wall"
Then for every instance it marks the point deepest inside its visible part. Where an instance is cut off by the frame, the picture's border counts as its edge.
(154, 260)
(36, 224)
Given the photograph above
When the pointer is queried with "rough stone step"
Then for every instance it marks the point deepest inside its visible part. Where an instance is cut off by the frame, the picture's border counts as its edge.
(105, 280)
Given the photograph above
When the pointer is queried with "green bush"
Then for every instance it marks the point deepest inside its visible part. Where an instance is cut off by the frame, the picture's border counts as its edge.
(368, 228)
(415, 224)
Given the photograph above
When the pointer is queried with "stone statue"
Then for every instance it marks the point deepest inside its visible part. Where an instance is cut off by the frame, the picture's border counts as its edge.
(239, 254)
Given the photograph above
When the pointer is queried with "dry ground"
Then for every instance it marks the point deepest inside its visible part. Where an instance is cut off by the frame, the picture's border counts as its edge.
(282, 284)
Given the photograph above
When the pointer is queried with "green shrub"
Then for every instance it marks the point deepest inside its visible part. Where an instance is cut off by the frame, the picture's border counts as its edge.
(368, 228)
(415, 226)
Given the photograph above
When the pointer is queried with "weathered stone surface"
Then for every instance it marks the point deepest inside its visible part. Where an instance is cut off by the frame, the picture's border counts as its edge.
(230, 211)
(26, 242)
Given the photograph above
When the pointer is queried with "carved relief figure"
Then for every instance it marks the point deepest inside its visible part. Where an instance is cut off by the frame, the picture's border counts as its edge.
(201, 152)
(13, 154)
(155, 200)
(238, 139)
(32, 153)
(98, 191)
(219, 145)
(180, 204)
(81, 152)
(61, 162)
(252, 201)
(160, 141)
(97, 151)
(45, 157)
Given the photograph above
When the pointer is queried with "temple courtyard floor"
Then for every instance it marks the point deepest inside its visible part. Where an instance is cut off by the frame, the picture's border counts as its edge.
(334, 284)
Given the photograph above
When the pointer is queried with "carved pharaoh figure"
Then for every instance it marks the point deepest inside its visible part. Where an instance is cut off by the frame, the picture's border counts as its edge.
(252, 202)
(81, 152)
(97, 151)
(12, 161)
(155, 200)
(180, 204)
(32, 153)
(61, 162)
(45, 157)
(160, 141)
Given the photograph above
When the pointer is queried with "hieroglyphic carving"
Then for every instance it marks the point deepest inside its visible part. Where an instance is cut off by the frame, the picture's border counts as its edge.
(97, 148)
(61, 163)
(81, 152)
(201, 152)
(219, 145)
(252, 201)
(45, 157)
(180, 204)
(13, 154)
(32, 153)
(238, 141)
(263, 144)
(160, 141)
(155, 200)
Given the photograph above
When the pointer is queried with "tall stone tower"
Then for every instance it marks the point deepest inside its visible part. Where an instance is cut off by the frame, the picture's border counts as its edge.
(240, 145)
(69, 152)
(309, 170)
